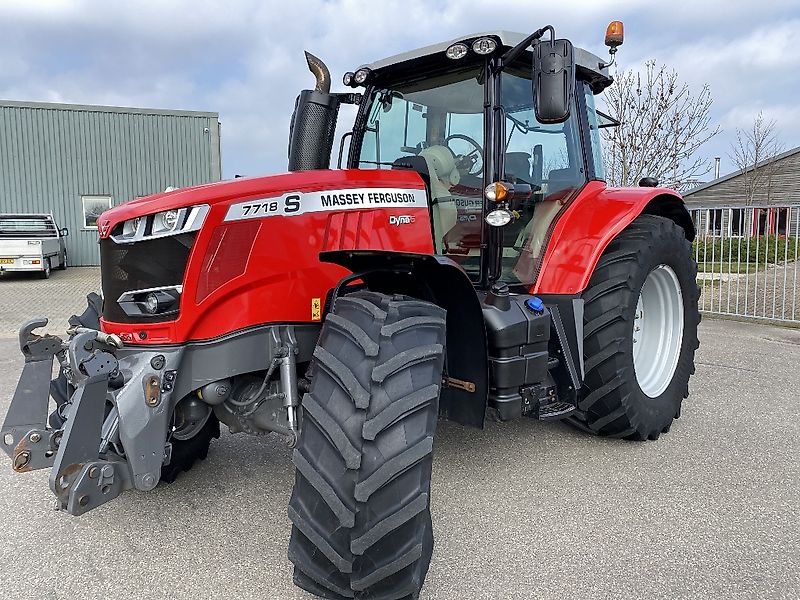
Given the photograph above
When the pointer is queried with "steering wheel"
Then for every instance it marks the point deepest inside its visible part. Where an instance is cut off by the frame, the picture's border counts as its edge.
(470, 162)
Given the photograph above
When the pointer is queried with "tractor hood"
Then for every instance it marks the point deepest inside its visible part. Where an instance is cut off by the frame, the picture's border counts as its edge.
(256, 188)
(246, 252)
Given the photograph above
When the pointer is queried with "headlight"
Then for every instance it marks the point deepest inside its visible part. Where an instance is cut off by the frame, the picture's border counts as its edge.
(361, 76)
(484, 46)
(165, 221)
(161, 224)
(151, 303)
(130, 227)
(456, 51)
(499, 217)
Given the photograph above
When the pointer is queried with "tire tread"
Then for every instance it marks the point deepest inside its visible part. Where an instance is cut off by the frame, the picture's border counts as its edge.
(360, 508)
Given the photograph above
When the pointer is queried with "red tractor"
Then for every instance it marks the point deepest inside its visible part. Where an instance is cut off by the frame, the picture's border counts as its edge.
(469, 260)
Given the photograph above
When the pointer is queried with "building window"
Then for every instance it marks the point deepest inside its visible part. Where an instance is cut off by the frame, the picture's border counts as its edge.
(714, 221)
(761, 215)
(93, 207)
(782, 217)
(737, 222)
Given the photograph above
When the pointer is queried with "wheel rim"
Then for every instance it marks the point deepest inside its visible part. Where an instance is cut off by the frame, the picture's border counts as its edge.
(658, 331)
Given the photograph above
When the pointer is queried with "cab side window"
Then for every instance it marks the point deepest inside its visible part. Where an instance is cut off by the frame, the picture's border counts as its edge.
(594, 133)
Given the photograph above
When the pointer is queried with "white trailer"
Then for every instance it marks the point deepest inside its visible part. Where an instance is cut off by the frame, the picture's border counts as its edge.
(31, 242)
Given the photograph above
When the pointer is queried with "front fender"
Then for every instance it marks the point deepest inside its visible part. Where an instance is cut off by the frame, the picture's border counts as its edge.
(439, 280)
(589, 224)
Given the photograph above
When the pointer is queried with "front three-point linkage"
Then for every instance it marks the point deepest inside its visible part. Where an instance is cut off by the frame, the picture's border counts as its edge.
(25, 435)
(81, 479)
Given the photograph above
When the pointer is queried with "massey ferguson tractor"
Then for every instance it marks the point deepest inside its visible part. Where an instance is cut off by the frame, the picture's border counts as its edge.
(470, 260)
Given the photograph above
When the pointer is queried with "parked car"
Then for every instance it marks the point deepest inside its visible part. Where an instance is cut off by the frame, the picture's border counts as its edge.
(32, 242)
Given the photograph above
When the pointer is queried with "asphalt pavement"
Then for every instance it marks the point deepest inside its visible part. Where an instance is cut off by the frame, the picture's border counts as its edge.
(520, 510)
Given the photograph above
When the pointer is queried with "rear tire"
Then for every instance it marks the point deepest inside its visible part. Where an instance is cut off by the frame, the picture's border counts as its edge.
(360, 507)
(652, 250)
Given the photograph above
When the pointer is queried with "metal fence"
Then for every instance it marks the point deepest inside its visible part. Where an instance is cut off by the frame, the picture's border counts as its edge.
(747, 261)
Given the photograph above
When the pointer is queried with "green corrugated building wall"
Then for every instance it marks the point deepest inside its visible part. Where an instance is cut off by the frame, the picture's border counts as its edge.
(75, 161)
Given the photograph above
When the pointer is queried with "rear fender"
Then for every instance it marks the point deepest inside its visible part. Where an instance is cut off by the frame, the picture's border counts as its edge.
(589, 224)
(439, 280)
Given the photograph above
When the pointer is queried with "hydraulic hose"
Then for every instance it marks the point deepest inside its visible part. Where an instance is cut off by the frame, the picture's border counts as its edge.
(248, 399)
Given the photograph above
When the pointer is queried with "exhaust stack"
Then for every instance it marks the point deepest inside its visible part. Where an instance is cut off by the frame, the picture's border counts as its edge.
(314, 121)
(321, 73)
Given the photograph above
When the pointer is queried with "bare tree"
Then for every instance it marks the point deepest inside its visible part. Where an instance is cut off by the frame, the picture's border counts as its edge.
(662, 125)
(754, 153)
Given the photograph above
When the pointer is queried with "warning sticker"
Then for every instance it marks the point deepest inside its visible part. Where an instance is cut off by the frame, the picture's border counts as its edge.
(316, 309)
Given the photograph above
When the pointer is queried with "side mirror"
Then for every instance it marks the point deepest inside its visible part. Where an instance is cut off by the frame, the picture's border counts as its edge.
(648, 182)
(553, 80)
(63, 232)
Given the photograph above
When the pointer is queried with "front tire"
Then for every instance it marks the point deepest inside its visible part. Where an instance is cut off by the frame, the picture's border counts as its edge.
(640, 332)
(360, 507)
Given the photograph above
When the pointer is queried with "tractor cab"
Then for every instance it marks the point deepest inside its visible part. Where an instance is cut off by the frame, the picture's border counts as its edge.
(462, 114)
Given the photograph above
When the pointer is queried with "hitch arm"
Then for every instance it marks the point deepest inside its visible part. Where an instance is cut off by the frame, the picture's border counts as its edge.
(25, 436)
(80, 479)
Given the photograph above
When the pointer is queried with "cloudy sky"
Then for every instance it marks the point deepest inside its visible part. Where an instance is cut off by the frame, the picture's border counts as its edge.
(244, 58)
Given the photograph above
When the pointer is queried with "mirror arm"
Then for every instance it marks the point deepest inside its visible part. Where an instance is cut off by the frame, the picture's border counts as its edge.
(348, 97)
(510, 56)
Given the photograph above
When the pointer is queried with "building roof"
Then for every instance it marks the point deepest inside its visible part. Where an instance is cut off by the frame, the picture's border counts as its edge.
(108, 109)
(730, 176)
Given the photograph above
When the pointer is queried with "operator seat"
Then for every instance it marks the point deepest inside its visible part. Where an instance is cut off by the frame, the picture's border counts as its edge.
(437, 166)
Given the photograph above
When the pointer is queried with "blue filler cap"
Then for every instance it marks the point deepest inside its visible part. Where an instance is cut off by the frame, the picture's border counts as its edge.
(535, 304)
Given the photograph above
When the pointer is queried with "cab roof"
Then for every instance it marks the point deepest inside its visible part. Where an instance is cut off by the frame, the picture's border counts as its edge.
(588, 64)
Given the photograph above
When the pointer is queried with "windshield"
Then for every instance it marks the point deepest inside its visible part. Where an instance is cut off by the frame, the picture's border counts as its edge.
(549, 158)
(435, 127)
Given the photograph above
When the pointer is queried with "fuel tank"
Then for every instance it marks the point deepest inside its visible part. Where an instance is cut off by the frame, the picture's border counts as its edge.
(218, 258)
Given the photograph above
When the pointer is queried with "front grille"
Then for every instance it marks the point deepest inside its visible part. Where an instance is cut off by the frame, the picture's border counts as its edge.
(147, 264)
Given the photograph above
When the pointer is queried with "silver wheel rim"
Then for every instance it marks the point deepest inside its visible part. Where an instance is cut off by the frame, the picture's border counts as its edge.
(658, 331)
